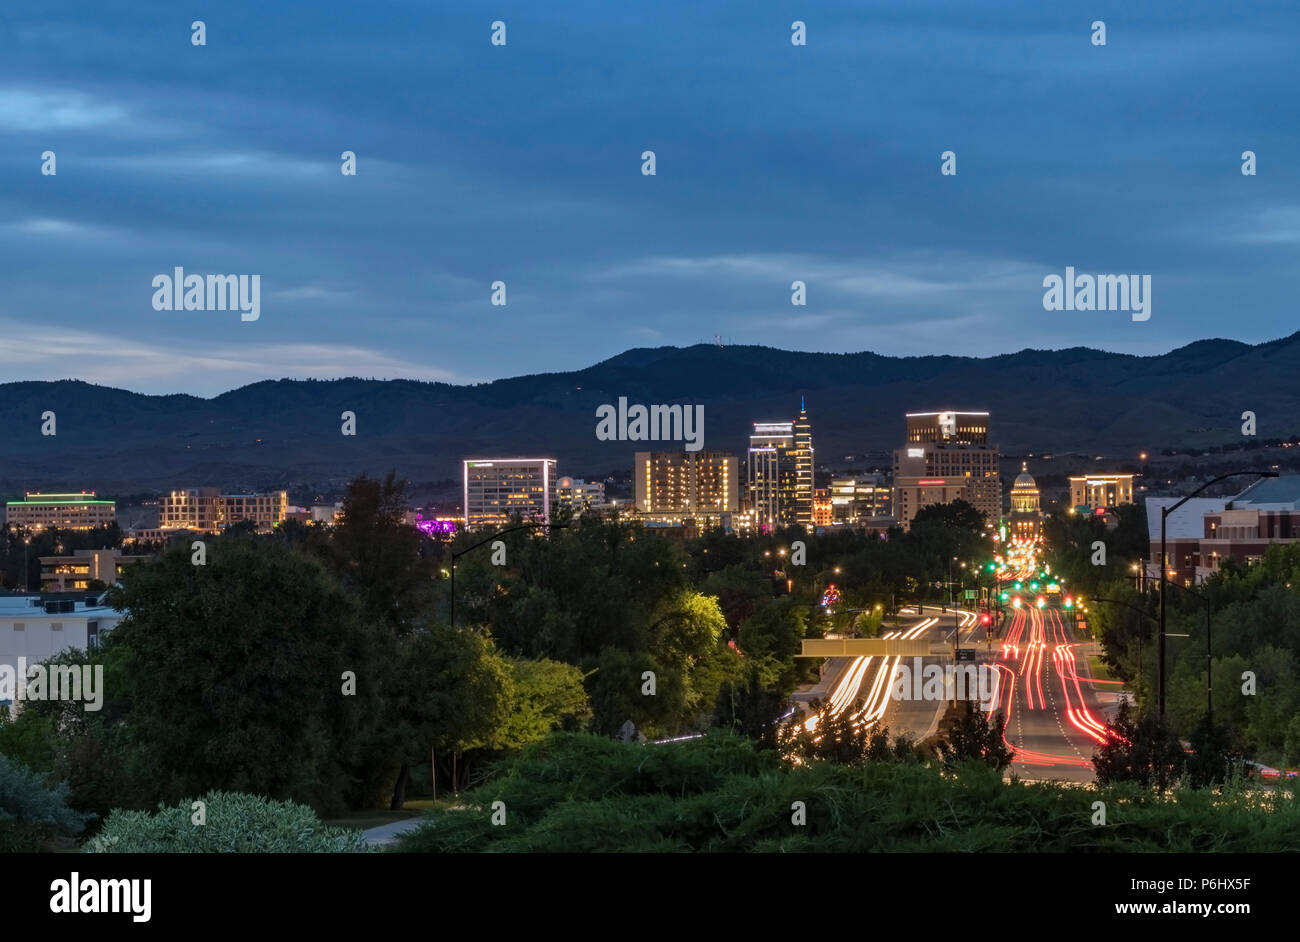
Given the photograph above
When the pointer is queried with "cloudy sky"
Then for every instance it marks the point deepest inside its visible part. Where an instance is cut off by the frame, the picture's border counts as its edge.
(522, 163)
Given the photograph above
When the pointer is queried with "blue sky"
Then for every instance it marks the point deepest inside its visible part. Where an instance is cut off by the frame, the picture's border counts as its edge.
(522, 163)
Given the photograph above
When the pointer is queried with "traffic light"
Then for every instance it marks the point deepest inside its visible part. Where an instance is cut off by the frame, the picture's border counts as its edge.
(1069, 602)
(1041, 601)
(986, 619)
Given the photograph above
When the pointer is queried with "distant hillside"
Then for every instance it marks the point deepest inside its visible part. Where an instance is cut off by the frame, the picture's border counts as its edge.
(286, 433)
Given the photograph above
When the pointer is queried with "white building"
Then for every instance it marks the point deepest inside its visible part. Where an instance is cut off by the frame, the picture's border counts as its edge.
(36, 628)
(498, 488)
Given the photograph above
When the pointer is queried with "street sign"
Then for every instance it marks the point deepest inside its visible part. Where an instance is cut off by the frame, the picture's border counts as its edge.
(972, 594)
(965, 654)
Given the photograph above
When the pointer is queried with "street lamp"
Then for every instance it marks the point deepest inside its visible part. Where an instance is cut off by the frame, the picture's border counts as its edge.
(1164, 571)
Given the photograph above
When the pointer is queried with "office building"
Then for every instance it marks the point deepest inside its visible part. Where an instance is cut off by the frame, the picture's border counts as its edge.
(675, 486)
(207, 510)
(779, 473)
(860, 499)
(498, 489)
(80, 511)
(1206, 531)
(771, 479)
(911, 493)
(1101, 490)
(78, 571)
(946, 447)
(803, 469)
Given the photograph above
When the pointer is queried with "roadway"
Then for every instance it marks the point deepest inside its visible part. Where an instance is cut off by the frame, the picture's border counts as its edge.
(1055, 721)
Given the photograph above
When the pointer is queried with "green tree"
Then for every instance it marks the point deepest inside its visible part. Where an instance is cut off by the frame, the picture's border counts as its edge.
(970, 737)
(237, 675)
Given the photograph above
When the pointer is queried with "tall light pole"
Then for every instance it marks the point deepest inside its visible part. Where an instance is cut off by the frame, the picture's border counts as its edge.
(1164, 569)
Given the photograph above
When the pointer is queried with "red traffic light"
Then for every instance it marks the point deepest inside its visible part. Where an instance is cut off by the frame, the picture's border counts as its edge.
(985, 619)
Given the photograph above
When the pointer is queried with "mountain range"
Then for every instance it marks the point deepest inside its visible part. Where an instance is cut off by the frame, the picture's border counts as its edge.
(286, 433)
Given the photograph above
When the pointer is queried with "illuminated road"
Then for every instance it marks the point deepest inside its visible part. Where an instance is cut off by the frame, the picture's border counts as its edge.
(1054, 722)
(861, 690)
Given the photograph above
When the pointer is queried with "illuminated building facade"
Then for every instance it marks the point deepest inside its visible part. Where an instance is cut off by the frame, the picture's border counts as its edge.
(823, 509)
(497, 489)
(80, 511)
(207, 510)
(803, 469)
(912, 493)
(78, 571)
(1026, 520)
(1101, 490)
(674, 486)
(579, 495)
(859, 499)
(770, 473)
(946, 446)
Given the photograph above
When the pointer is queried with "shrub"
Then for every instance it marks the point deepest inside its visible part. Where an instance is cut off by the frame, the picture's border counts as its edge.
(32, 816)
(234, 823)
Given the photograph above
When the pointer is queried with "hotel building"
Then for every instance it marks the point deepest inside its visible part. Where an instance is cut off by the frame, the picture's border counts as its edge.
(1101, 490)
(207, 510)
(81, 511)
(942, 449)
(675, 486)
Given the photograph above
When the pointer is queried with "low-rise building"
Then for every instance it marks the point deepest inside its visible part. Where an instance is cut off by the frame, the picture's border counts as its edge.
(80, 511)
(78, 571)
(207, 510)
(1101, 490)
(34, 628)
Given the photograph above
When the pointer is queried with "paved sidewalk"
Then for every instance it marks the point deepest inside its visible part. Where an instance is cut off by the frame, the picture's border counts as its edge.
(387, 833)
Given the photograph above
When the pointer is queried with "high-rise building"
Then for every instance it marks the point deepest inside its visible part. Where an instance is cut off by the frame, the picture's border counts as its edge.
(675, 486)
(770, 467)
(947, 447)
(207, 510)
(81, 511)
(1101, 490)
(779, 482)
(1026, 518)
(496, 489)
(803, 469)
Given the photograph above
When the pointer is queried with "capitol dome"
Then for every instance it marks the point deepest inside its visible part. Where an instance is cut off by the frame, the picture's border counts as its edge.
(1024, 479)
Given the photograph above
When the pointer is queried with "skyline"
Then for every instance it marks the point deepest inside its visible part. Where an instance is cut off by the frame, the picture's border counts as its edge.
(775, 163)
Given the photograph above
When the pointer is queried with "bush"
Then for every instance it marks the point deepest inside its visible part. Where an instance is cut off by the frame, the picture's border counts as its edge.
(235, 823)
(33, 816)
